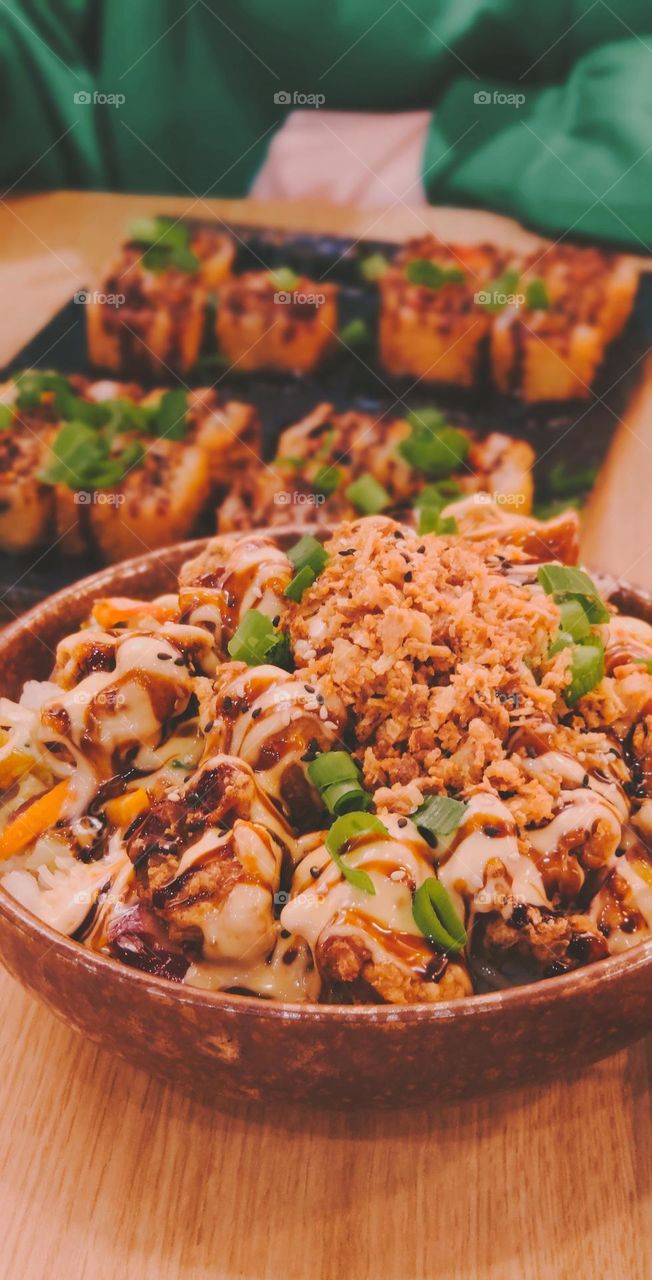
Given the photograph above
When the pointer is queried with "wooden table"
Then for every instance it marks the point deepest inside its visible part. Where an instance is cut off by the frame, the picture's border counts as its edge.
(109, 1175)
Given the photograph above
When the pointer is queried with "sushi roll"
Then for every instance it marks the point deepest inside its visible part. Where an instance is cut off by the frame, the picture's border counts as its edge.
(572, 302)
(431, 327)
(229, 579)
(274, 722)
(320, 460)
(366, 944)
(148, 316)
(276, 321)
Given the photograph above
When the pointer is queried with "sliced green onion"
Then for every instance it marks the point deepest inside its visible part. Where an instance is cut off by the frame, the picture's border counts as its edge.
(439, 816)
(308, 553)
(436, 917)
(284, 279)
(32, 385)
(425, 272)
(536, 295)
(373, 267)
(587, 670)
(300, 583)
(432, 521)
(326, 480)
(159, 232)
(82, 459)
(6, 417)
(431, 502)
(433, 447)
(367, 495)
(575, 619)
(169, 418)
(161, 258)
(256, 641)
(355, 334)
(345, 831)
(332, 766)
(337, 778)
(563, 581)
(494, 297)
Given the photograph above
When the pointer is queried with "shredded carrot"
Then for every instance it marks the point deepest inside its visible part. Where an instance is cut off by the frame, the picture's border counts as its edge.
(122, 811)
(30, 823)
(110, 610)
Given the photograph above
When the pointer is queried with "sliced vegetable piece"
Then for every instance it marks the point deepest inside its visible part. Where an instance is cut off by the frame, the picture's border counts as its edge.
(123, 809)
(256, 641)
(436, 917)
(111, 611)
(344, 832)
(439, 816)
(433, 447)
(308, 552)
(30, 823)
(367, 495)
(300, 583)
(373, 267)
(587, 670)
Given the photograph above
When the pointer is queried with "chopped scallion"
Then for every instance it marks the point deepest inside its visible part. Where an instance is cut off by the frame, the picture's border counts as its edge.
(436, 917)
(367, 495)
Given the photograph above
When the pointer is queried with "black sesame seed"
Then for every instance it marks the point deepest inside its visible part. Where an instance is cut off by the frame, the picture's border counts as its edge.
(257, 711)
(227, 703)
(179, 662)
(421, 551)
(164, 657)
(350, 551)
(315, 873)
(408, 576)
(586, 781)
(492, 831)
(209, 726)
(402, 822)
(309, 688)
(285, 933)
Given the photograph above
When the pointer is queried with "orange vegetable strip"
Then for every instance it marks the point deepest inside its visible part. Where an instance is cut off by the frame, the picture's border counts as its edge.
(30, 823)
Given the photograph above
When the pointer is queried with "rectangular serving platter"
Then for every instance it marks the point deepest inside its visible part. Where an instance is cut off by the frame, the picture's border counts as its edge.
(577, 433)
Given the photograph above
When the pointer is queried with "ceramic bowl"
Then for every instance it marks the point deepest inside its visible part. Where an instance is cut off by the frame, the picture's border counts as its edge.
(229, 1046)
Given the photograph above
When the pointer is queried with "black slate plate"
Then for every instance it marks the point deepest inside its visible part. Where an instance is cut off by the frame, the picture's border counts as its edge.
(575, 432)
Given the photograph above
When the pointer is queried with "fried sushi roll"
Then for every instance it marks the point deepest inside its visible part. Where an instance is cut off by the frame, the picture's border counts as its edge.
(26, 503)
(320, 459)
(263, 326)
(572, 303)
(142, 474)
(148, 316)
(430, 325)
(366, 944)
(208, 860)
(229, 579)
(273, 721)
(512, 895)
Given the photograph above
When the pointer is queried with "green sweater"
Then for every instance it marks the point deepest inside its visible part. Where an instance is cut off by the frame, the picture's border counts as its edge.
(539, 111)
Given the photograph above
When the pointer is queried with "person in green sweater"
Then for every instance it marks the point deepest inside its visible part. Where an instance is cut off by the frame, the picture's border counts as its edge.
(543, 112)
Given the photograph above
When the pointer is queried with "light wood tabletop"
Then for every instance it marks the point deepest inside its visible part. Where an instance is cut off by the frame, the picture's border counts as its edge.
(107, 1174)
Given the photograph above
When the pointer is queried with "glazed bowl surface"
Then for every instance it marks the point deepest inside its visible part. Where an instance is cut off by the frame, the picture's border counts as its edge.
(229, 1046)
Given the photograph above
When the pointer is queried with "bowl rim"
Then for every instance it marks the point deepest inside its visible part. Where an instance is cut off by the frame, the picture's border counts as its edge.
(540, 992)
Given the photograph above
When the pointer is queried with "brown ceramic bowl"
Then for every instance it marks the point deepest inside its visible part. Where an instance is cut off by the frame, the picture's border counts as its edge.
(228, 1046)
